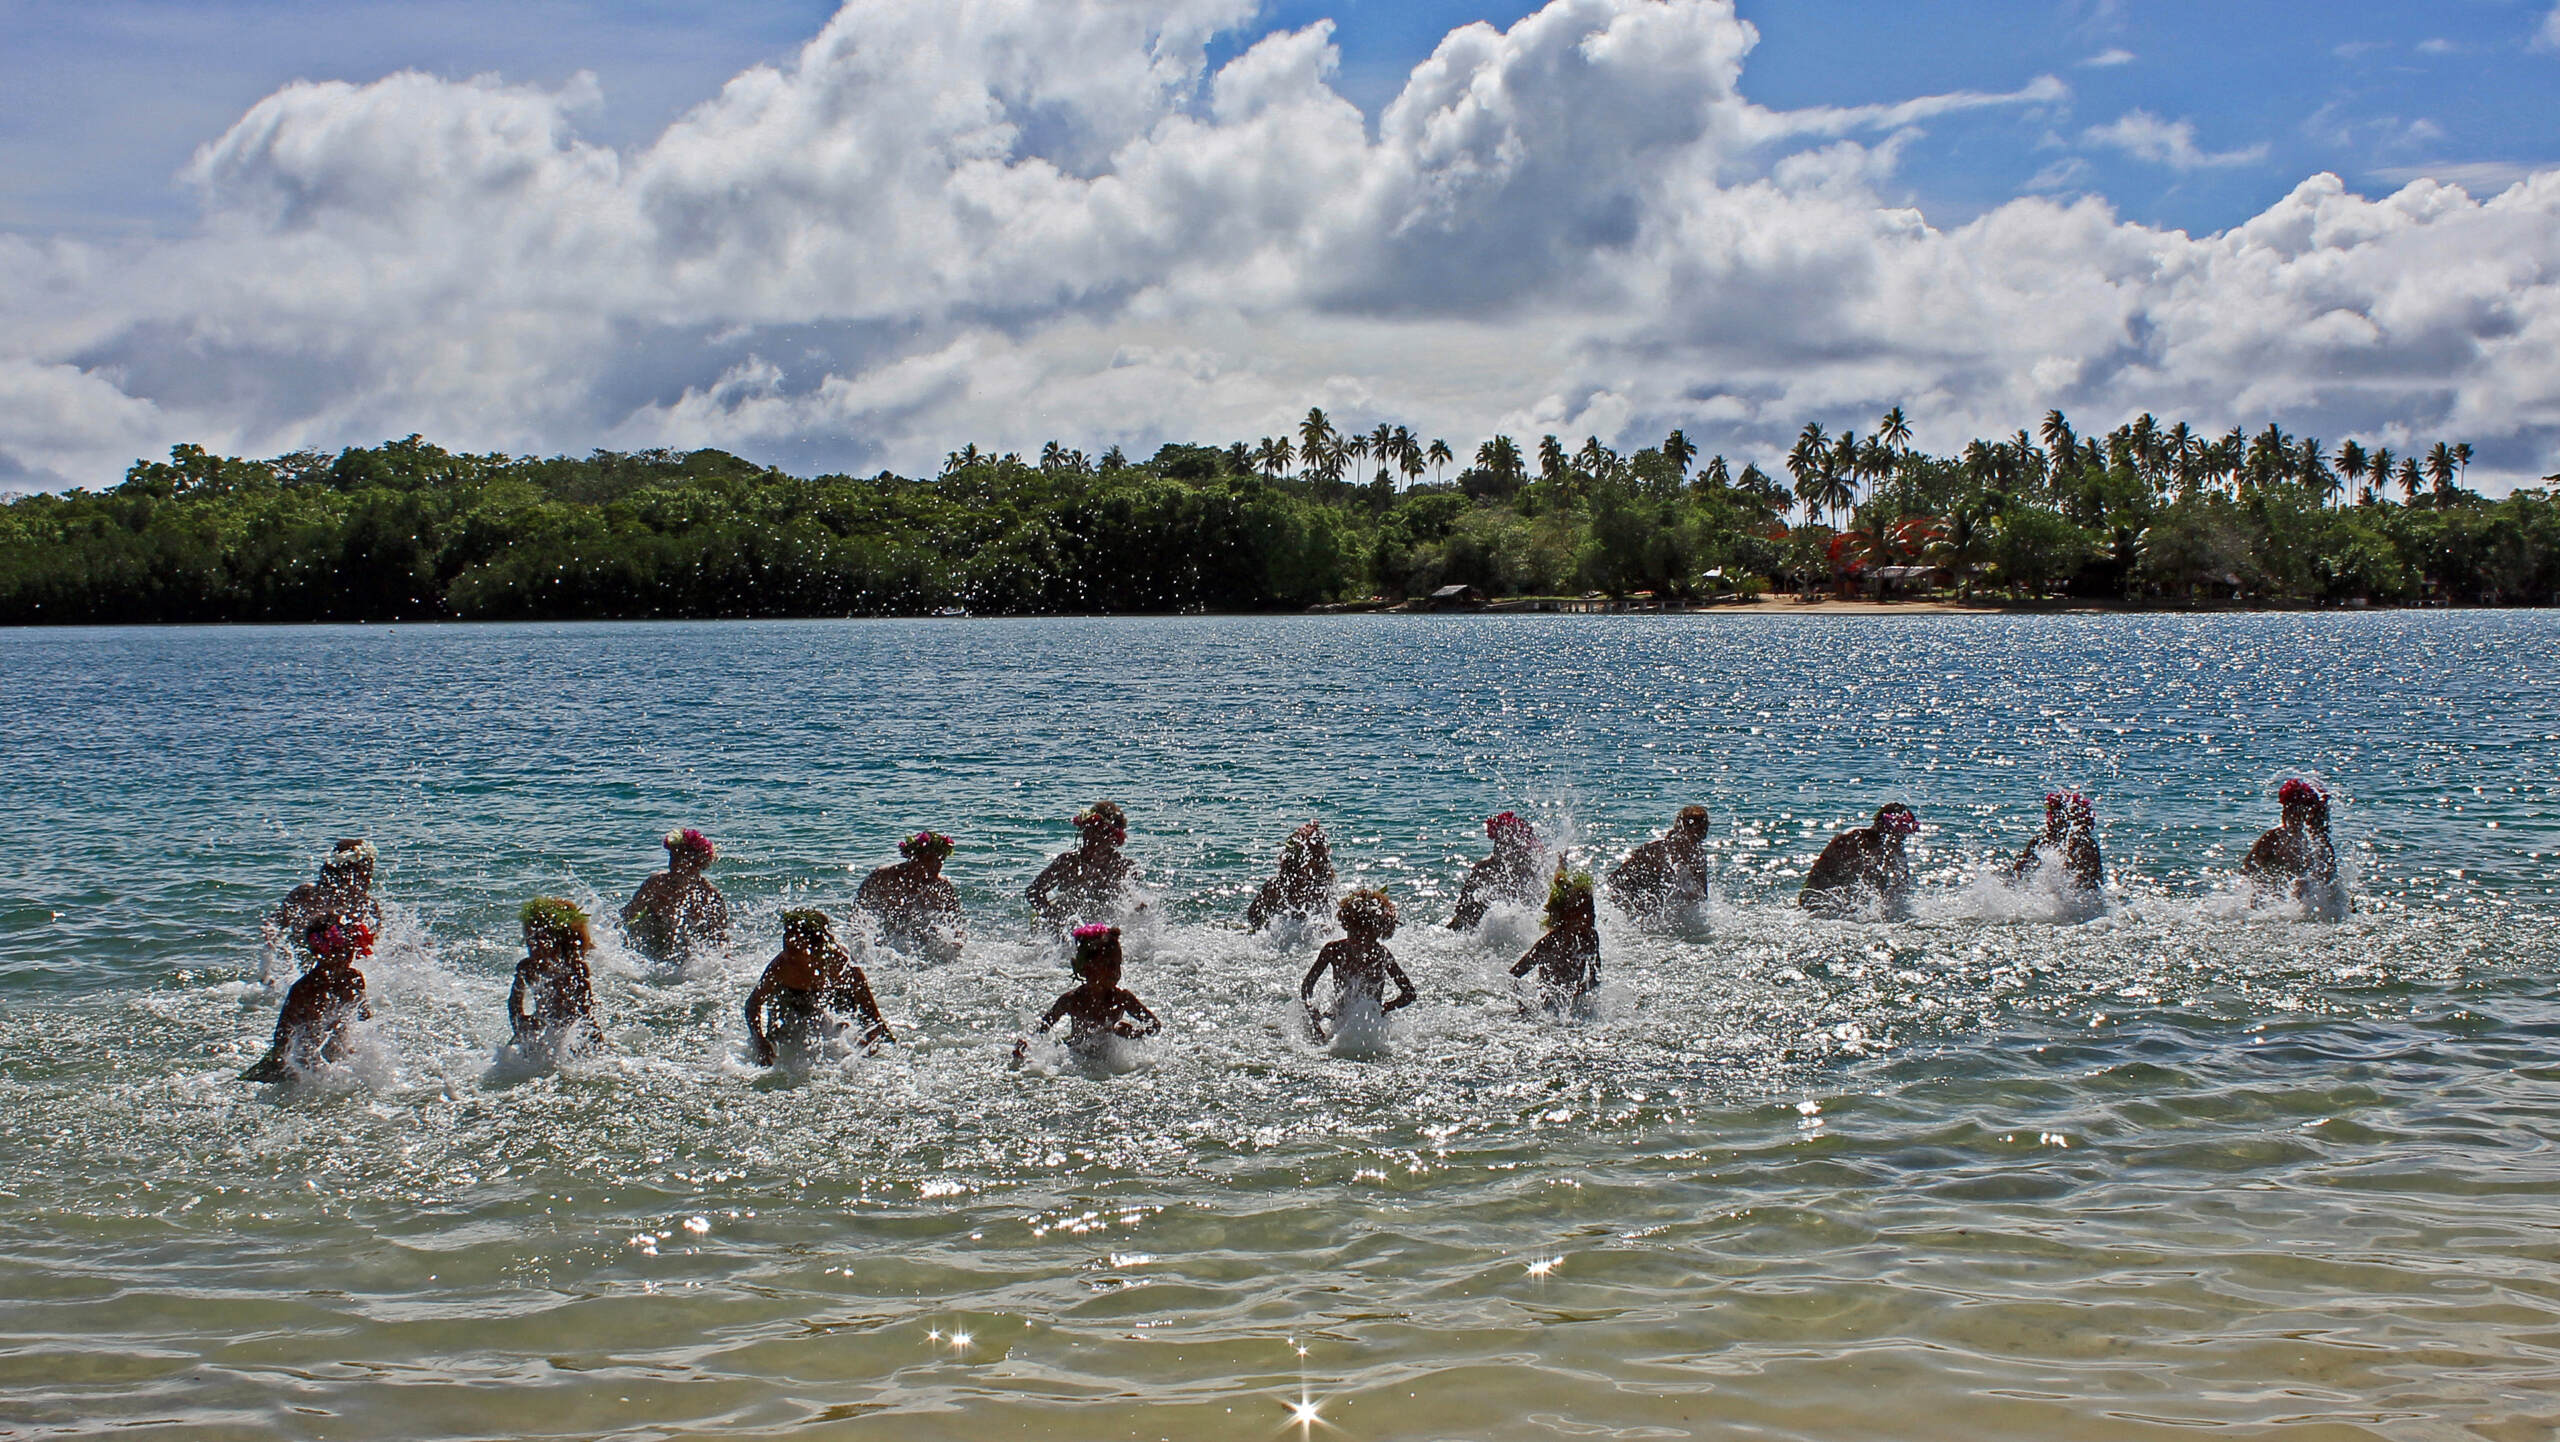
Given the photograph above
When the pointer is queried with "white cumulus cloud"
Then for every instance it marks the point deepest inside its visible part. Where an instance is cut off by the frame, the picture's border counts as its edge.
(2146, 136)
(1003, 221)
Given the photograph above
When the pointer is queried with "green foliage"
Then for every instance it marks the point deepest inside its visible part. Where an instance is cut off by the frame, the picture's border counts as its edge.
(410, 531)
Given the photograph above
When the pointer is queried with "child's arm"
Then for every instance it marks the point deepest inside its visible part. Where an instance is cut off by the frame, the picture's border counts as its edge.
(1405, 993)
(1529, 959)
(1147, 1023)
(759, 1045)
(869, 1006)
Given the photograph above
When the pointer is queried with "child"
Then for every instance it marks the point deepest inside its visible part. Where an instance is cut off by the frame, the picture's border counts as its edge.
(917, 907)
(1089, 879)
(810, 991)
(1361, 964)
(1098, 1008)
(1567, 958)
(677, 912)
(327, 1001)
(1303, 884)
(1509, 874)
(554, 1000)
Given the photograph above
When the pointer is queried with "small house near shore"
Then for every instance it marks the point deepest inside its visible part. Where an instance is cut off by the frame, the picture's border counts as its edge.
(1455, 598)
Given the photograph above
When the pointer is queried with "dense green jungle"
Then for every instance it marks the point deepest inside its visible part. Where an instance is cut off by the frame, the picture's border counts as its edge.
(2146, 515)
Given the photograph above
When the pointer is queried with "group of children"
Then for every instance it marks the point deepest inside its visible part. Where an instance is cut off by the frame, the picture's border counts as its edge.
(813, 990)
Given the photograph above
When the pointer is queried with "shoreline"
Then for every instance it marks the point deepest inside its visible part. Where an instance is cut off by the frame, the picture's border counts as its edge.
(1538, 606)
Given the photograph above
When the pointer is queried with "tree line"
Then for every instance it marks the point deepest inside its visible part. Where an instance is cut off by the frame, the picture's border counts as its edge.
(2144, 514)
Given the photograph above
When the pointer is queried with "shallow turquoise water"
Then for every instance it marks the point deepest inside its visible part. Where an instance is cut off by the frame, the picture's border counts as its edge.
(1982, 1174)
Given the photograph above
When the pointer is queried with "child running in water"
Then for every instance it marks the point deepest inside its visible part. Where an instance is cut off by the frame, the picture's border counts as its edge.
(553, 1003)
(323, 1005)
(1567, 958)
(1097, 1008)
(1360, 962)
(809, 991)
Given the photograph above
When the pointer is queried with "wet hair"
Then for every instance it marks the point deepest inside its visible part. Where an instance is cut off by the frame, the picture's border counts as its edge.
(1103, 816)
(809, 927)
(1096, 945)
(685, 840)
(1309, 837)
(925, 844)
(554, 919)
(352, 853)
(2298, 792)
(1367, 909)
(1510, 823)
(1568, 896)
(1897, 819)
(1691, 818)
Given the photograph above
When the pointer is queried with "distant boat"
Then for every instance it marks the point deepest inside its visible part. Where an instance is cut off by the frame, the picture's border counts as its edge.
(953, 611)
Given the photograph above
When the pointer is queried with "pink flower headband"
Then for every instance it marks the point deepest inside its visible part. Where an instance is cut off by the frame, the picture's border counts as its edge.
(1508, 822)
(1898, 820)
(926, 843)
(2298, 792)
(688, 839)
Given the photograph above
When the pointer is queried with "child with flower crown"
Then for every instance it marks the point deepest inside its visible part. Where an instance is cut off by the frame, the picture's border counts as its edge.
(678, 911)
(1097, 1008)
(323, 1005)
(1509, 874)
(553, 1002)
(917, 908)
(344, 892)
(811, 991)
(1567, 957)
(1086, 882)
(2297, 856)
(1303, 884)
(1360, 962)
(1864, 863)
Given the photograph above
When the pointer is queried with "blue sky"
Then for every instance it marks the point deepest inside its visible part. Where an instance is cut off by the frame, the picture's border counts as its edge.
(548, 225)
(105, 101)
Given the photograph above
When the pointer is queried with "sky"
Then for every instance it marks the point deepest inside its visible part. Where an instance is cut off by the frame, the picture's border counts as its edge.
(854, 237)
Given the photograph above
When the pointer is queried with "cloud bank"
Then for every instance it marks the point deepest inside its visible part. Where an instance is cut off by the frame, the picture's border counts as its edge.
(1004, 221)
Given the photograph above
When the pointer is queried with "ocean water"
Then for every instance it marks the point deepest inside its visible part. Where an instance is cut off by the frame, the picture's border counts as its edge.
(2194, 1166)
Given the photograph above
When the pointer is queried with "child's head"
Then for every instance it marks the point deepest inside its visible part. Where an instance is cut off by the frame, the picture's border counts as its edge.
(1690, 824)
(553, 925)
(1569, 897)
(1097, 957)
(1367, 912)
(1103, 824)
(929, 847)
(808, 930)
(689, 849)
(1509, 830)
(1305, 846)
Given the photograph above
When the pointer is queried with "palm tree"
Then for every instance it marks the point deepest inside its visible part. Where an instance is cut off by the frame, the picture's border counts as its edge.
(1551, 463)
(1408, 456)
(2382, 471)
(2058, 437)
(1382, 444)
(1352, 450)
(1895, 429)
(1273, 455)
(1439, 456)
(2461, 460)
(1500, 457)
(2352, 463)
(1315, 434)
(1679, 452)
(1717, 476)
(1805, 462)
(1594, 459)
(2311, 463)
(2440, 468)
(2410, 479)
